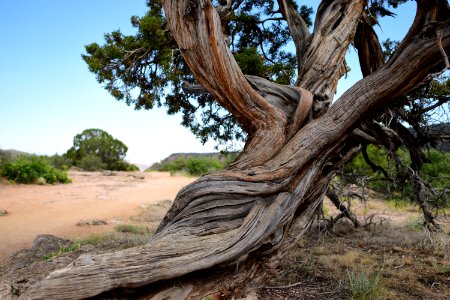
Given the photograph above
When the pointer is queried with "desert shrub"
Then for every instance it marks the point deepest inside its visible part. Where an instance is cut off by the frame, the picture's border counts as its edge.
(132, 168)
(60, 162)
(363, 287)
(32, 169)
(122, 165)
(91, 163)
(193, 166)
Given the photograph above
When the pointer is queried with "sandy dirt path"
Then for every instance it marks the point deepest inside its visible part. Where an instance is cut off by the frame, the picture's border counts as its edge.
(56, 209)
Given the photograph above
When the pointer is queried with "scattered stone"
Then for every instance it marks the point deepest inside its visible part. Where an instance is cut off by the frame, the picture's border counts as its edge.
(108, 173)
(92, 222)
(343, 226)
(46, 243)
(42, 245)
(87, 248)
(102, 197)
(28, 266)
(3, 212)
(137, 175)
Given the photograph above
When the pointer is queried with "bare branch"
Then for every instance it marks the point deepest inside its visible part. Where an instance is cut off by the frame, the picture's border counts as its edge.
(372, 165)
(198, 32)
(345, 211)
(323, 66)
(369, 49)
(297, 27)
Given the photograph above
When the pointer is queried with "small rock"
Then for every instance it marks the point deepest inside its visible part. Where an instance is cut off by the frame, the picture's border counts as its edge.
(87, 248)
(343, 226)
(108, 173)
(137, 176)
(3, 212)
(45, 243)
(92, 222)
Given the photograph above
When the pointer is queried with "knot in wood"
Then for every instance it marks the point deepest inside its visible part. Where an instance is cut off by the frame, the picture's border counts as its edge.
(191, 9)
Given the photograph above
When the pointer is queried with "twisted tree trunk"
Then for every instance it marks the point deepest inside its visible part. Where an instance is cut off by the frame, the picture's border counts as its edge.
(248, 216)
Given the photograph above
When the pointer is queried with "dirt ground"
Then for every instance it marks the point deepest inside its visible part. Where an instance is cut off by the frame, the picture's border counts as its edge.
(57, 209)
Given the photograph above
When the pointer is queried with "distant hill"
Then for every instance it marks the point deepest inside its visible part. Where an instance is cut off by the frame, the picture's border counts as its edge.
(11, 154)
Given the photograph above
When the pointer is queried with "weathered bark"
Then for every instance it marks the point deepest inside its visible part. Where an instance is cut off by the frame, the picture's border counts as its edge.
(250, 214)
(324, 62)
(298, 29)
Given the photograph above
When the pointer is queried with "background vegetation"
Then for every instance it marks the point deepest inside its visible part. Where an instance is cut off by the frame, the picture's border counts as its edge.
(194, 164)
(387, 177)
(93, 150)
(32, 169)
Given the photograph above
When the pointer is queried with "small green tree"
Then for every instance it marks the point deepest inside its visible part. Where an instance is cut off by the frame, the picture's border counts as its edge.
(98, 145)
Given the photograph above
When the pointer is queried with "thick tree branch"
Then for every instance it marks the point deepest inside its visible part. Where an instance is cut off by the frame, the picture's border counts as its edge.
(345, 211)
(297, 27)
(238, 214)
(196, 26)
(369, 49)
(323, 66)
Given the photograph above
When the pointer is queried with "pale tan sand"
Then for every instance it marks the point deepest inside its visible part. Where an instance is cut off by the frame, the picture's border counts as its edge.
(56, 209)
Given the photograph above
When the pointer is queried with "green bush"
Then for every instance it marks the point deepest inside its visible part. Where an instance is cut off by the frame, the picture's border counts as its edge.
(32, 169)
(193, 166)
(91, 163)
(122, 166)
(132, 168)
(60, 162)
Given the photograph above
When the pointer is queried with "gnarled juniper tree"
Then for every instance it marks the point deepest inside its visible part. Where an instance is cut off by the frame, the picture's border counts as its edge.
(224, 65)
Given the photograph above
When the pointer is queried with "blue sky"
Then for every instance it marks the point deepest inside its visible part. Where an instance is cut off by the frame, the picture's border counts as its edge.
(47, 94)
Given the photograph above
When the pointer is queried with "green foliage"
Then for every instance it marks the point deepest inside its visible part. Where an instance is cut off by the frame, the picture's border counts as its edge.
(62, 250)
(91, 163)
(60, 162)
(147, 68)
(32, 169)
(132, 168)
(363, 287)
(435, 173)
(193, 166)
(95, 149)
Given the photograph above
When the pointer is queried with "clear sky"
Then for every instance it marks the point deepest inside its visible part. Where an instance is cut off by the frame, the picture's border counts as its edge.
(47, 94)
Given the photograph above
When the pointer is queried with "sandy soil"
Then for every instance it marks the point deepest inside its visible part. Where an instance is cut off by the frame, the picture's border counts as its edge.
(56, 209)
